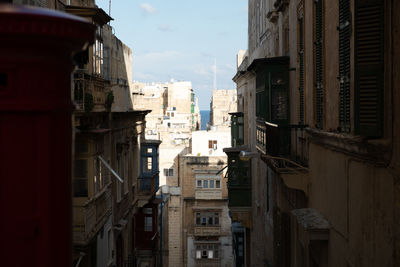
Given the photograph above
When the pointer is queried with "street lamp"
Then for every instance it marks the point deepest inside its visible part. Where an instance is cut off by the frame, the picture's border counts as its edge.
(246, 155)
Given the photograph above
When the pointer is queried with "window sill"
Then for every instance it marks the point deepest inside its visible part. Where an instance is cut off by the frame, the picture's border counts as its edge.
(377, 152)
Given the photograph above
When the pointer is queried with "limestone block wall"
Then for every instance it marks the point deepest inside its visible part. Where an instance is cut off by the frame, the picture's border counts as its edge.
(175, 232)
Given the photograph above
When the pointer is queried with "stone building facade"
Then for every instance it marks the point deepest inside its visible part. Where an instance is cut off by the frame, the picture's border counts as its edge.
(109, 141)
(319, 112)
(197, 228)
(206, 227)
(222, 103)
(174, 115)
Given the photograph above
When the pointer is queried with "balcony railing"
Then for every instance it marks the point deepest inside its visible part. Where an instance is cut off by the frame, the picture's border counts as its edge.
(207, 230)
(284, 141)
(79, 90)
(91, 216)
(208, 262)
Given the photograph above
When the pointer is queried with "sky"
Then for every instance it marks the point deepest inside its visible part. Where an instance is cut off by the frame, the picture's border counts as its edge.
(182, 39)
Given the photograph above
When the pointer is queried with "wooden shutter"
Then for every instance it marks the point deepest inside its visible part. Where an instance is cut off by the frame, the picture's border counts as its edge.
(262, 109)
(301, 61)
(369, 36)
(318, 64)
(344, 65)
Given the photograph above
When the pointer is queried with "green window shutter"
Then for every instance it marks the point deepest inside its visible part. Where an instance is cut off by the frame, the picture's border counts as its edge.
(262, 110)
(318, 64)
(301, 67)
(369, 38)
(344, 65)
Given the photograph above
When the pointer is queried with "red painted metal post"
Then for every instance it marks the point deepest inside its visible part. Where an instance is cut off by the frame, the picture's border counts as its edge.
(36, 47)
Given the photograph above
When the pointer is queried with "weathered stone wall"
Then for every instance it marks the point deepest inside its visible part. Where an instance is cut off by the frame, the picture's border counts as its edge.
(222, 103)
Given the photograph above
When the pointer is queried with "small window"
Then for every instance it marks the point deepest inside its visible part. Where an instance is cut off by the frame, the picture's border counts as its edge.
(147, 164)
(216, 218)
(148, 223)
(210, 254)
(198, 219)
(217, 184)
(171, 172)
(203, 221)
(216, 252)
(198, 254)
(198, 183)
(211, 183)
(205, 184)
(80, 178)
(149, 150)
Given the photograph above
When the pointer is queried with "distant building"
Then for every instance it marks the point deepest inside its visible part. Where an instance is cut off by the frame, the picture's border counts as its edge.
(222, 103)
(197, 228)
(174, 115)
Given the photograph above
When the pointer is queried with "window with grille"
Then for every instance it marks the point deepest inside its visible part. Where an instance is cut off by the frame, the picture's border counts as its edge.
(147, 164)
(369, 65)
(209, 218)
(212, 144)
(344, 65)
(208, 181)
(98, 55)
(169, 172)
(207, 251)
(318, 63)
(148, 219)
(148, 223)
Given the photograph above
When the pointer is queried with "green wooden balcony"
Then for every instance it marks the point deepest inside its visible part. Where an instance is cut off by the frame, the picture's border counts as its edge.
(282, 141)
(237, 130)
(239, 179)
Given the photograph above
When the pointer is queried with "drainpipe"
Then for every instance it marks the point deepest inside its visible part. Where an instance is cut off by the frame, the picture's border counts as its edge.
(161, 229)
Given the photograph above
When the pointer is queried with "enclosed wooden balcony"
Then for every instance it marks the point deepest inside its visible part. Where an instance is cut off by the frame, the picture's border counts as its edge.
(237, 129)
(91, 93)
(207, 230)
(147, 186)
(239, 179)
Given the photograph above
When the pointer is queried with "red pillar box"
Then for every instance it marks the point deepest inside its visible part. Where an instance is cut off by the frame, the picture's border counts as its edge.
(36, 47)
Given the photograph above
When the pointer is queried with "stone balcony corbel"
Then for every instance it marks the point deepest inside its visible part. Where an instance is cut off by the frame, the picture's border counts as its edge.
(273, 16)
(280, 5)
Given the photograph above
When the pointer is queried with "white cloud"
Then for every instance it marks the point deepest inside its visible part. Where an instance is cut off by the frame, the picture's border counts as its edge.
(165, 28)
(147, 8)
(203, 71)
(141, 76)
(152, 58)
